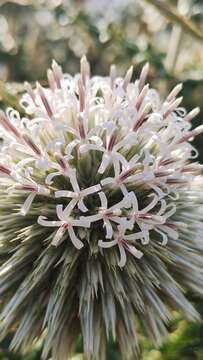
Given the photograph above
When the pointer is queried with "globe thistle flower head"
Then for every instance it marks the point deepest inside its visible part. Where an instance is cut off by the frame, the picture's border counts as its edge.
(100, 213)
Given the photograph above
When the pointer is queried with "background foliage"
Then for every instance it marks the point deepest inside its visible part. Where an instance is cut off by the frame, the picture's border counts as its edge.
(168, 34)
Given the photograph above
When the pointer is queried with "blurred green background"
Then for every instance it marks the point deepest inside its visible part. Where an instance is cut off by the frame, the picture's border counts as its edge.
(168, 34)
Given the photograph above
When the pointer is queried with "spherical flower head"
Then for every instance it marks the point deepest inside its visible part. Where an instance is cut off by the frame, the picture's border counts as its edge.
(100, 213)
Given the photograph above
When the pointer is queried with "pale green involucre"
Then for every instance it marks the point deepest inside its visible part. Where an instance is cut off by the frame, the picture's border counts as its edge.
(100, 214)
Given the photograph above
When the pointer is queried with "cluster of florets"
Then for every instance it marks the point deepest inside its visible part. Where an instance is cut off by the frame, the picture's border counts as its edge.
(126, 137)
(96, 225)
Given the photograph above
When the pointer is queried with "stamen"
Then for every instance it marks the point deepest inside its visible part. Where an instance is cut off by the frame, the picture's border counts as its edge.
(26, 187)
(84, 69)
(163, 173)
(175, 181)
(143, 76)
(192, 114)
(192, 168)
(44, 100)
(81, 129)
(127, 173)
(81, 91)
(191, 134)
(141, 96)
(127, 78)
(51, 79)
(61, 161)
(5, 170)
(174, 92)
(111, 143)
(58, 74)
(167, 162)
(31, 144)
(172, 107)
(6, 124)
(112, 76)
(30, 91)
(141, 118)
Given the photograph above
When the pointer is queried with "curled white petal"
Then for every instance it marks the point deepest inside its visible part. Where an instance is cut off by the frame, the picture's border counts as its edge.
(104, 163)
(76, 242)
(66, 193)
(137, 253)
(103, 199)
(68, 209)
(171, 232)
(51, 176)
(58, 236)
(82, 206)
(163, 235)
(27, 204)
(42, 220)
(91, 190)
(107, 244)
(150, 206)
(123, 257)
(109, 229)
